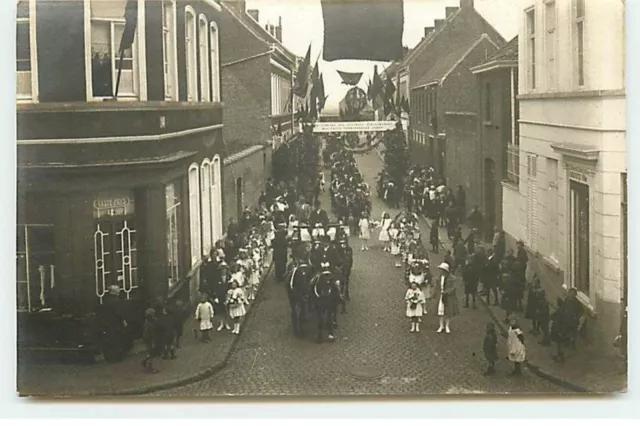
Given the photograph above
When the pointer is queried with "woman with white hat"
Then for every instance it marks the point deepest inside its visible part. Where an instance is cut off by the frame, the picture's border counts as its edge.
(447, 298)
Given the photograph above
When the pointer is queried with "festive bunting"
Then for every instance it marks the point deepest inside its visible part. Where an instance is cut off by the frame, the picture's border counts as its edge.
(350, 78)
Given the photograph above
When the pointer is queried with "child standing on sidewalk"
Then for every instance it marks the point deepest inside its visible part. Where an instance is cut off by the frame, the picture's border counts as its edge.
(415, 306)
(236, 302)
(490, 348)
(515, 347)
(204, 314)
(365, 233)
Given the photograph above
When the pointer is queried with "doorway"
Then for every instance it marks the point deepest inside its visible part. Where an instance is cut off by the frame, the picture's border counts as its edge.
(239, 197)
(580, 240)
(489, 196)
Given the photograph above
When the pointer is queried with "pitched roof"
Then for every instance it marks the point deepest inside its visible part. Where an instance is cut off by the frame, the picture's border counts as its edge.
(256, 29)
(413, 53)
(445, 66)
(507, 56)
(508, 52)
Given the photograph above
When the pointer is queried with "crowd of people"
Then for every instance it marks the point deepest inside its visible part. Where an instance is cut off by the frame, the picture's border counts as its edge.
(487, 269)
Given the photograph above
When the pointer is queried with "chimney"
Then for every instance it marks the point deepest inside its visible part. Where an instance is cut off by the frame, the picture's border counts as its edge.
(255, 14)
(438, 22)
(239, 5)
(450, 10)
(279, 30)
(466, 4)
(427, 31)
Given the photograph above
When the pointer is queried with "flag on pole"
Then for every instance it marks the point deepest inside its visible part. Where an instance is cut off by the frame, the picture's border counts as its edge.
(363, 29)
(130, 24)
(377, 90)
(302, 78)
(350, 78)
(322, 98)
(128, 35)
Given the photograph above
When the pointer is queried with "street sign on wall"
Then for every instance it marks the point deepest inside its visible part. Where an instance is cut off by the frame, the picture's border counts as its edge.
(353, 126)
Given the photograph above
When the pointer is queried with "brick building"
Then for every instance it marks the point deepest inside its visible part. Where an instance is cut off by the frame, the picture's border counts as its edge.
(257, 76)
(109, 188)
(446, 114)
(461, 27)
(497, 130)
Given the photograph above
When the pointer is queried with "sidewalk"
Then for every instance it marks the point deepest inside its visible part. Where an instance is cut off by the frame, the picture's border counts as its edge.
(195, 362)
(586, 369)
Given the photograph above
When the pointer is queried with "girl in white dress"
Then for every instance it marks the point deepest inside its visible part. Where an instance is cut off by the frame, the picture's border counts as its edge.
(236, 302)
(415, 306)
(204, 314)
(365, 233)
(384, 231)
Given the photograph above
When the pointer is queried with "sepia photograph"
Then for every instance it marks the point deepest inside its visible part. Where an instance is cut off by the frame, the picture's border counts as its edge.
(320, 198)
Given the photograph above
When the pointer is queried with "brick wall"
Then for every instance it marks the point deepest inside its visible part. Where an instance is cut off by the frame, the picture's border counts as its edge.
(253, 170)
(463, 158)
(494, 130)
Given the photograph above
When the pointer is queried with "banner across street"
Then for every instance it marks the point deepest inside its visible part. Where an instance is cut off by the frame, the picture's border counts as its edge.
(353, 126)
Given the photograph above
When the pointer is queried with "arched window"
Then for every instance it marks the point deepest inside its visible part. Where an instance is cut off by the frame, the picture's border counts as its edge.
(191, 53)
(169, 50)
(203, 52)
(214, 46)
(194, 213)
(205, 190)
(216, 198)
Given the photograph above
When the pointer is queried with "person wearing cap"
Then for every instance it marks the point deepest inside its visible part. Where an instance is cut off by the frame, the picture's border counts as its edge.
(447, 298)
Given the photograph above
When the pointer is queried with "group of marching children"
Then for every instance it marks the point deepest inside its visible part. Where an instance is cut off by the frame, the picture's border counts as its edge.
(234, 279)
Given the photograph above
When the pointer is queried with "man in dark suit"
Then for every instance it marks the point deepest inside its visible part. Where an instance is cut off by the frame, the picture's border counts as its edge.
(491, 276)
(319, 215)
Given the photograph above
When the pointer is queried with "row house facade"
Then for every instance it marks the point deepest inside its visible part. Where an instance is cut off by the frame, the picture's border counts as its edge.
(445, 115)
(460, 29)
(568, 204)
(119, 191)
(497, 131)
(257, 76)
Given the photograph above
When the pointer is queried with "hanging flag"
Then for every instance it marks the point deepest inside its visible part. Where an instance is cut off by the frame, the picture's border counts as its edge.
(363, 29)
(128, 35)
(369, 90)
(130, 24)
(302, 78)
(322, 98)
(350, 78)
(389, 89)
(377, 90)
(405, 105)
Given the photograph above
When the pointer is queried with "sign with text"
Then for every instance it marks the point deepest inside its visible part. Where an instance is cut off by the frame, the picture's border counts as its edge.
(353, 126)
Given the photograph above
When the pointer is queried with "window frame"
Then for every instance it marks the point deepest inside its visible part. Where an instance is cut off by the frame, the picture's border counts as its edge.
(191, 53)
(205, 206)
(214, 52)
(33, 97)
(551, 40)
(216, 198)
(173, 253)
(530, 28)
(195, 226)
(579, 28)
(204, 52)
(138, 53)
(170, 53)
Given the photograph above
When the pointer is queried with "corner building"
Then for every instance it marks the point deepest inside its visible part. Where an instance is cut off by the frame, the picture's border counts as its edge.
(568, 200)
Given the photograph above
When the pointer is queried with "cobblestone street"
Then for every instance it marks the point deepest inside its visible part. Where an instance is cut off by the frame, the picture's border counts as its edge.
(374, 353)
